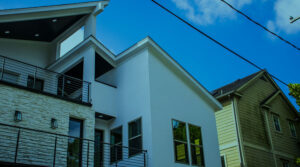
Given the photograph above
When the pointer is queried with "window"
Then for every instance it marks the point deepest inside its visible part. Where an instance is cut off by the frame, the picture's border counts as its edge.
(180, 142)
(183, 142)
(116, 136)
(9, 77)
(276, 123)
(223, 161)
(285, 163)
(293, 129)
(196, 145)
(72, 41)
(135, 137)
(37, 84)
(75, 143)
(99, 147)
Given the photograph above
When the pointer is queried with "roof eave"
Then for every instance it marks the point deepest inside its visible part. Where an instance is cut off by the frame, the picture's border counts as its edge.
(23, 14)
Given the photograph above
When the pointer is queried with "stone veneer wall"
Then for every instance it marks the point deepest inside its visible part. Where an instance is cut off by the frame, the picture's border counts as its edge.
(37, 111)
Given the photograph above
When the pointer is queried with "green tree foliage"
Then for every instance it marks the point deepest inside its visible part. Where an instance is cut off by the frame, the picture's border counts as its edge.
(295, 92)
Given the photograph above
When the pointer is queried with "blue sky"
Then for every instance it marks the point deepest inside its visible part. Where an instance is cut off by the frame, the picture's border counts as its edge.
(125, 22)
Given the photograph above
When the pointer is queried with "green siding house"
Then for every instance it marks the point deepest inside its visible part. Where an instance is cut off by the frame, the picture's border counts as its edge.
(258, 126)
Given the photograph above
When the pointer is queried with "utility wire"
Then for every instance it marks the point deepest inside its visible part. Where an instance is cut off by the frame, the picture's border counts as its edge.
(260, 25)
(217, 42)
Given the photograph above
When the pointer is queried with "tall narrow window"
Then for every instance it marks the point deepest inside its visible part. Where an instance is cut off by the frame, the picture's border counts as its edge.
(116, 153)
(196, 145)
(276, 123)
(293, 129)
(223, 161)
(37, 84)
(98, 155)
(180, 142)
(135, 137)
(75, 143)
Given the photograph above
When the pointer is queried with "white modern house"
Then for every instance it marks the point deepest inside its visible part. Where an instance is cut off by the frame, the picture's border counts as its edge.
(89, 107)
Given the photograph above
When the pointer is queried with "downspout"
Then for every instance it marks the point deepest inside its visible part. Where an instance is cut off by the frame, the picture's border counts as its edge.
(269, 134)
(237, 131)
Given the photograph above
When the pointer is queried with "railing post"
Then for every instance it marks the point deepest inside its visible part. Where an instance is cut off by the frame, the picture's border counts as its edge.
(54, 155)
(34, 78)
(17, 146)
(116, 155)
(144, 159)
(88, 151)
(3, 68)
(63, 86)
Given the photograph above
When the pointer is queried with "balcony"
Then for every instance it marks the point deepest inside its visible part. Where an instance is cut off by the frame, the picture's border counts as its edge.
(44, 81)
(28, 147)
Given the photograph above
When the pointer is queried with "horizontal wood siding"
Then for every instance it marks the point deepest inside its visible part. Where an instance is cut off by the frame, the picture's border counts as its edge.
(251, 118)
(232, 156)
(283, 141)
(258, 158)
(225, 124)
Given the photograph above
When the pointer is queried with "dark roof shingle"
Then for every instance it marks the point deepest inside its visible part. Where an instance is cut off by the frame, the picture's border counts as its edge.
(233, 86)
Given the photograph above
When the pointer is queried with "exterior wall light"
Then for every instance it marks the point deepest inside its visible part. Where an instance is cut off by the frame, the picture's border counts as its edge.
(54, 123)
(18, 116)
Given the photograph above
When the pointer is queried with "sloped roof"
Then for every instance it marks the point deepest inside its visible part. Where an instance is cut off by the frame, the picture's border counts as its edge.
(231, 87)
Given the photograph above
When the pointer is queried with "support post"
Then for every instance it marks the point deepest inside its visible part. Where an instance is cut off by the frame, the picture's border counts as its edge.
(17, 146)
(88, 151)
(3, 68)
(63, 86)
(54, 155)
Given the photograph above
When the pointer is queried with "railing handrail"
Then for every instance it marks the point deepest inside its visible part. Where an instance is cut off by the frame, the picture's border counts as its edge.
(63, 135)
(4, 57)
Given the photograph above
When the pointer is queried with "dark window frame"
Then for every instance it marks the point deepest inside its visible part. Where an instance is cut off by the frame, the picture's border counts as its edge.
(116, 145)
(293, 129)
(223, 157)
(102, 155)
(80, 138)
(275, 116)
(36, 80)
(139, 151)
(186, 144)
(195, 145)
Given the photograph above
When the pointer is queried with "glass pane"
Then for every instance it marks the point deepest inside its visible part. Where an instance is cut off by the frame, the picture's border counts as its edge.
(135, 128)
(116, 136)
(75, 144)
(39, 84)
(197, 155)
(181, 152)
(195, 135)
(223, 161)
(179, 131)
(98, 156)
(116, 153)
(135, 146)
(276, 123)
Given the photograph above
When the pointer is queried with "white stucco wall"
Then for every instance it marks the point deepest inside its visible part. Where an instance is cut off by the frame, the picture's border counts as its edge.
(133, 99)
(172, 97)
(32, 52)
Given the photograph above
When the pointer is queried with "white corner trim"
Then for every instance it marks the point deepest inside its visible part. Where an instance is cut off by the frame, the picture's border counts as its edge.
(229, 145)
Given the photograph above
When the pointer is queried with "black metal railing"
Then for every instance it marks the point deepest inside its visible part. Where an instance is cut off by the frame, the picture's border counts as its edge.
(43, 80)
(29, 147)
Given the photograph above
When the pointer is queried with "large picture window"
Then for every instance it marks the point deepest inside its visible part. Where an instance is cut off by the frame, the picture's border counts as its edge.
(135, 137)
(180, 142)
(188, 139)
(116, 137)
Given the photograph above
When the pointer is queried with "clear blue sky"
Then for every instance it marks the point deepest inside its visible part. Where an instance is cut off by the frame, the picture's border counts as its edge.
(125, 22)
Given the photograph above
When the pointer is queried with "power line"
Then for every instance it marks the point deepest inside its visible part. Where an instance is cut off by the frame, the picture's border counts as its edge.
(217, 42)
(260, 25)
